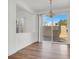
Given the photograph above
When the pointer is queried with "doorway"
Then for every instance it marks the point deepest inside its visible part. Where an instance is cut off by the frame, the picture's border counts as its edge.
(53, 31)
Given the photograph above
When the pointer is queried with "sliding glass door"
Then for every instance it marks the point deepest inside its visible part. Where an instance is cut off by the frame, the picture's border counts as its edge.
(54, 29)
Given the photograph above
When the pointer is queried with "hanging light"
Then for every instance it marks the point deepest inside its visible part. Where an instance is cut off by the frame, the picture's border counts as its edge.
(50, 14)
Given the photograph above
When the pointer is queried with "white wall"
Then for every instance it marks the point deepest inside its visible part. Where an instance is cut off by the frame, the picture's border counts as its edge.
(12, 27)
(18, 41)
(30, 34)
(23, 40)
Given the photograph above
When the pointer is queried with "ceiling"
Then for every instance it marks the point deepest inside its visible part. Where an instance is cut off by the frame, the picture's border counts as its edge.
(39, 6)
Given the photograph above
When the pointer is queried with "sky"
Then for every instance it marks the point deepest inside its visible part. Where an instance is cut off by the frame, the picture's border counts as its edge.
(55, 18)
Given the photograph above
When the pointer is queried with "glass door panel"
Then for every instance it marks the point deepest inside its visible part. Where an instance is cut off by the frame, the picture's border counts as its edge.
(47, 33)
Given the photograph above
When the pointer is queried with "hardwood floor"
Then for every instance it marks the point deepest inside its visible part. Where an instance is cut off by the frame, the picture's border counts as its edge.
(42, 51)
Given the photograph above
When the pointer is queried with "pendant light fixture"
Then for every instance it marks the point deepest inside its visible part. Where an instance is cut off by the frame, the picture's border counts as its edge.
(50, 14)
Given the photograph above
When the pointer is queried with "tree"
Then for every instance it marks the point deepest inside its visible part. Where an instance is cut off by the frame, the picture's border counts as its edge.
(63, 22)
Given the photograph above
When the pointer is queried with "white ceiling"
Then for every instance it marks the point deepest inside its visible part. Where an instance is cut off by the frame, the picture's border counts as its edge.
(39, 6)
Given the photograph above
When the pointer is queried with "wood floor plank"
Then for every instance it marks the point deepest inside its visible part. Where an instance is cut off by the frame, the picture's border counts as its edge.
(42, 51)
